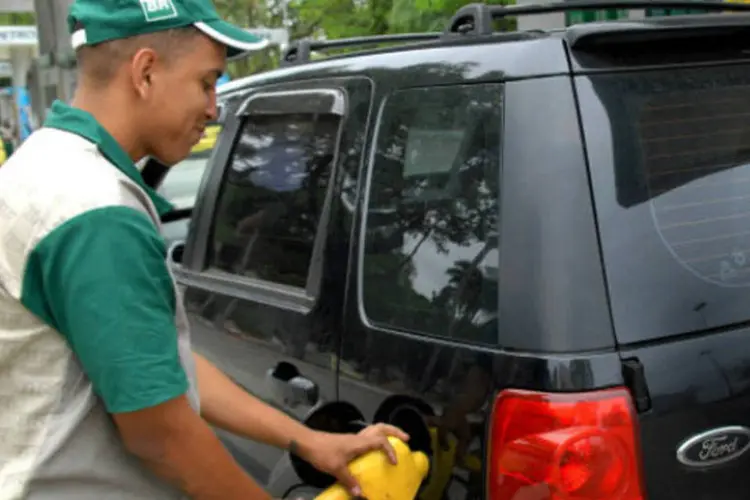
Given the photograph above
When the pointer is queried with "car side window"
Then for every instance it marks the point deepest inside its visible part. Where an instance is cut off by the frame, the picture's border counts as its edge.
(273, 195)
(430, 258)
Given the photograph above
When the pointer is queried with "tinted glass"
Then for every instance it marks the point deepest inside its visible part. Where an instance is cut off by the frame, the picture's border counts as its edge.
(670, 159)
(272, 197)
(431, 258)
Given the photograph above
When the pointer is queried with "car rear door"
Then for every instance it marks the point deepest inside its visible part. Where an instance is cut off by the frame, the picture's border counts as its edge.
(428, 265)
(252, 265)
(666, 122)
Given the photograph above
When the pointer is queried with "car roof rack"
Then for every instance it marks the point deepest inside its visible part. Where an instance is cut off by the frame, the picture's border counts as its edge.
(300, 51)
(477, 19)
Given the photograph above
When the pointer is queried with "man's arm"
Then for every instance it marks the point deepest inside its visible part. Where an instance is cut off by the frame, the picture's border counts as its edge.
(177, 445)
(229, 407)
(101, 280)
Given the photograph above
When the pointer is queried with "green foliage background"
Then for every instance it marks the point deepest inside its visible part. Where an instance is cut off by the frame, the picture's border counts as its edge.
(333, 19)
(328, 19)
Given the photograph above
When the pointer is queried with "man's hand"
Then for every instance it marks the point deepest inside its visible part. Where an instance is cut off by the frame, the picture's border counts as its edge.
(332, 453)
(229, 407)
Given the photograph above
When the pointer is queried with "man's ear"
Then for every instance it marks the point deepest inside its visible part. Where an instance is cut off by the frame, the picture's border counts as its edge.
(142, 67)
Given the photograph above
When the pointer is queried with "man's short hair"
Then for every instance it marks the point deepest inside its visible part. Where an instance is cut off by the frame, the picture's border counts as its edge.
(99, 63)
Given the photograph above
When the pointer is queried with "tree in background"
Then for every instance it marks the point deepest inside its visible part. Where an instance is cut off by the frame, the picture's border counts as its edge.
(333, 19)
(17, 19)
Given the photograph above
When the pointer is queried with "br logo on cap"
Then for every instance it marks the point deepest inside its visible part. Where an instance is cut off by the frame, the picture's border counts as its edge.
(158, 10)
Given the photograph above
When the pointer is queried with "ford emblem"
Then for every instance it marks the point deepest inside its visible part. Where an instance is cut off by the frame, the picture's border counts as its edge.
(714, 447)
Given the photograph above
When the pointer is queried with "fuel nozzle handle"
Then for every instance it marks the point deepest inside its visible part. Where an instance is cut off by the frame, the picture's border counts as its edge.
(380, 479)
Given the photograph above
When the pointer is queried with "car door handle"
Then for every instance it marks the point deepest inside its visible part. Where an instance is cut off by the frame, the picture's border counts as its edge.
(290, 388)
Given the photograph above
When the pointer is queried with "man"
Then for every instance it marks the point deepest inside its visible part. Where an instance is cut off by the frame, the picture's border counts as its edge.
(100, 394)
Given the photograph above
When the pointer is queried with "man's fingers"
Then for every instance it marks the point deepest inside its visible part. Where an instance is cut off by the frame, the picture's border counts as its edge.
(349, 481)
(390, 430)
(378, 439)
(386, 446)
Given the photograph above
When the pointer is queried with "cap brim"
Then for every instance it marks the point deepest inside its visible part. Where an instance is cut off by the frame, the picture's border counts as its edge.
(236, 40)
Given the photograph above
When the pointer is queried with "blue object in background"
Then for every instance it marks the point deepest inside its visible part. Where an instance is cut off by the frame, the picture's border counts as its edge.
(23, 103)
(223, 79)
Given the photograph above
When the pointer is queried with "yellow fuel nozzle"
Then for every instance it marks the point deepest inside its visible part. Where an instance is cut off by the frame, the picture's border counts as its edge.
(380, 479)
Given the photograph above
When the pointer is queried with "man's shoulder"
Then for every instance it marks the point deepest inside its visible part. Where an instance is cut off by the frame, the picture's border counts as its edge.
(49, 149)
(55, 154)
(56, 175)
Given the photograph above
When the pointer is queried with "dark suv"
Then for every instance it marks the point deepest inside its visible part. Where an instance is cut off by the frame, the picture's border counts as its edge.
(531, 250)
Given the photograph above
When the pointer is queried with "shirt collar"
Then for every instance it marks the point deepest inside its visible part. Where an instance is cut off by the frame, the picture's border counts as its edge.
(79, 122)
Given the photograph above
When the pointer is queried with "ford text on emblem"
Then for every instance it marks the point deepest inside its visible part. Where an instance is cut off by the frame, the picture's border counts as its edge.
(714, 447)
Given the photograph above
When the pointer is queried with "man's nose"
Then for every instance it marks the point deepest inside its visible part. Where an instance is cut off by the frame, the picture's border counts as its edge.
(212, 112)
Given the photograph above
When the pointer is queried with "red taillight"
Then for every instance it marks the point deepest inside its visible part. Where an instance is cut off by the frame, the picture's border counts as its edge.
(574, 446)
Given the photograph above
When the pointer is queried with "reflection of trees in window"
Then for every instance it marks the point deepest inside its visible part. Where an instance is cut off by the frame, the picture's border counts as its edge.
(273, 195)
(431, 236)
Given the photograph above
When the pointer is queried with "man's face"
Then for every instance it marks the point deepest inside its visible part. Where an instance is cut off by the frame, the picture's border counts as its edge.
(181, 99)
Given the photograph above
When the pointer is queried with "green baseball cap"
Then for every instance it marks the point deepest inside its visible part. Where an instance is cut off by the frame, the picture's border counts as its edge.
(96, 21)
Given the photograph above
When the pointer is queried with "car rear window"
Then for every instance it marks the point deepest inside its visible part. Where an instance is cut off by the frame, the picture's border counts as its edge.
(669, 154)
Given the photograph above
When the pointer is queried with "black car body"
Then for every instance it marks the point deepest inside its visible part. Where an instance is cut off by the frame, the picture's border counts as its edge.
(530, 250)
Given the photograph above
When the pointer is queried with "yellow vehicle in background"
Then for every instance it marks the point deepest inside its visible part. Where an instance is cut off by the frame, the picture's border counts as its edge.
(208, 141)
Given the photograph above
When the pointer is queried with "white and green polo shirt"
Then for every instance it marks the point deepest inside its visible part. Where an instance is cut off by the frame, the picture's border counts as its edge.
(90, 320)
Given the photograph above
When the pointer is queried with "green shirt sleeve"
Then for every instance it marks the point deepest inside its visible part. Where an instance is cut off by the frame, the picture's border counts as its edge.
(101, 280)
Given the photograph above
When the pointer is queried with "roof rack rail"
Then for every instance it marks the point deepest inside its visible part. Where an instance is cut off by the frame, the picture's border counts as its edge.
(477, 19)
(471, 19)
(300, 51)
